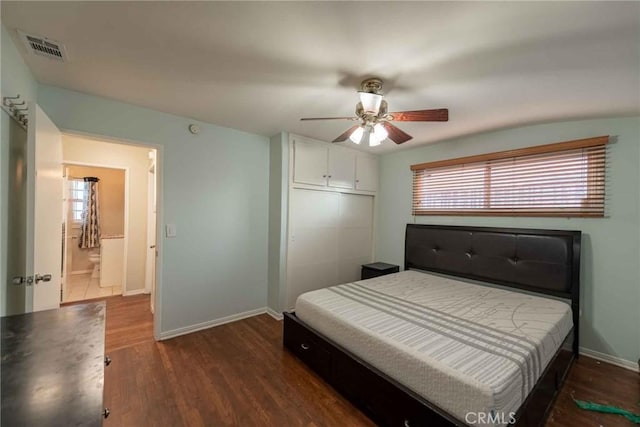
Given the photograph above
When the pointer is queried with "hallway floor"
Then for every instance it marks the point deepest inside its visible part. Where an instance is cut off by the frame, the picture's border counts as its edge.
(83, 287)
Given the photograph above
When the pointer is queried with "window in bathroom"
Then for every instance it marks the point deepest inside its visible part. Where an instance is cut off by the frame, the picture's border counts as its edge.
(78, 199)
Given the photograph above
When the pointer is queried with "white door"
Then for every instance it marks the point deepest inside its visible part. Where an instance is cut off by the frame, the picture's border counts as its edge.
(355, 239)
(312, 256)
(44, 214)
(366, 172)
(330, 237)
(16, 176)
(342, 165)
(309, 163)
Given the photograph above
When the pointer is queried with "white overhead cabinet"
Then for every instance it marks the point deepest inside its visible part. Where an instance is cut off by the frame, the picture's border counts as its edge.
(332, 167)
(310, 163)
(366, 172)
(341, 167)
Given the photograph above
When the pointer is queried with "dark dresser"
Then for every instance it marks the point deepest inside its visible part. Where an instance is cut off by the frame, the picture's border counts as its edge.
(378, 269)
(53, 367)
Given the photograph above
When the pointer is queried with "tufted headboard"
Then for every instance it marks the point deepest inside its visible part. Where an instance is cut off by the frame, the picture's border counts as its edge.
(542, 261)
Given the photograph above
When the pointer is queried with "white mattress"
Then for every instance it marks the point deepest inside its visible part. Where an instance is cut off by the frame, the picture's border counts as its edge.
(464, 347)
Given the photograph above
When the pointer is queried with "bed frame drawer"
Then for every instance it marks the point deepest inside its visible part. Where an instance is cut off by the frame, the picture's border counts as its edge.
(307, 346)
(384, 400)
(380, 398)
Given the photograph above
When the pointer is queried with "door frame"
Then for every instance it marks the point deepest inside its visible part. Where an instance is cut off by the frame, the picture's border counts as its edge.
(157, 298)
(149, 279)
(65, 235)
(126, 207)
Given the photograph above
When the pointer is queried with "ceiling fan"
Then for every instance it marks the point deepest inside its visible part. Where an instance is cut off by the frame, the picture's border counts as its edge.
(374, 119)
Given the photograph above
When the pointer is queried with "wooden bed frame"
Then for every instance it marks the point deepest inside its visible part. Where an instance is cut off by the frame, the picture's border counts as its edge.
(541, 261)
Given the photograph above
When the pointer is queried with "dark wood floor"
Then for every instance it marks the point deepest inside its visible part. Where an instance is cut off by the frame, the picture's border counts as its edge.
(239, 375)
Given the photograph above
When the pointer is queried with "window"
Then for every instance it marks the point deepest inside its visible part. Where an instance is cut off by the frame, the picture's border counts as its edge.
(564, 179)
(78, 193)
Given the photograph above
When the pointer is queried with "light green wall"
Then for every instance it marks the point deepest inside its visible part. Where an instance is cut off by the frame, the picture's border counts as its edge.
(278, 195)
(15, 79)
(610, 246)
(215, 189)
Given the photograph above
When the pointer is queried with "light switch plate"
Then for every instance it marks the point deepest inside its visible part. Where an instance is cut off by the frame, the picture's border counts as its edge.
(171, 230)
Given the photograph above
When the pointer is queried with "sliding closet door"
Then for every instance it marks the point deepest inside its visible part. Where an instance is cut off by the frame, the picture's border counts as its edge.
(312, 261)
(355, 236)
(330, 236)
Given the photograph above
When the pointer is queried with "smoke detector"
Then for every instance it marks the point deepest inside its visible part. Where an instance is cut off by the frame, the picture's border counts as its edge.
(44, 47)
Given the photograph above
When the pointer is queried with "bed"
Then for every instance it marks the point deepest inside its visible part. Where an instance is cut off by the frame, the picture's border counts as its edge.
(433, 346)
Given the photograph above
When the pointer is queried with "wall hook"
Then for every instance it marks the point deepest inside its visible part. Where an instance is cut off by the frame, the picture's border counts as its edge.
(11, 108)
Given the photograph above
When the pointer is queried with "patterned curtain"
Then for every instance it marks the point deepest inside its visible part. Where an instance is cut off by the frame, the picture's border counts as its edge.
(90, 236)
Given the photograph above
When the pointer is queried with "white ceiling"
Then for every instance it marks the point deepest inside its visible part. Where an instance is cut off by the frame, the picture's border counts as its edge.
(260, 66)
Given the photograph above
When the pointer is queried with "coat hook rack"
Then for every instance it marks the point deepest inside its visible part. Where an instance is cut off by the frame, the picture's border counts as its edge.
(10, 105)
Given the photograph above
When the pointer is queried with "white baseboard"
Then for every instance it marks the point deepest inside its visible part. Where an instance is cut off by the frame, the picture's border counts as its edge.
(617, 361)
(211, 323)
(133, 292)
(274, 314)
(78, 272)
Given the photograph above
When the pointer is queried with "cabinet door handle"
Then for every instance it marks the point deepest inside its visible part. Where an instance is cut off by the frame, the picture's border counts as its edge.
(107, 360)
(106, 412)
(329, 176)
(324, 176)
(304, 346)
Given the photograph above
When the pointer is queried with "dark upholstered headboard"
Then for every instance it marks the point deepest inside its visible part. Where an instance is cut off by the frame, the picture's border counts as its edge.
(542, 261)
(546, 261)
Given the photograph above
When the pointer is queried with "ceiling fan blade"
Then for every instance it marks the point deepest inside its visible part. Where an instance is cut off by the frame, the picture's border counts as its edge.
(329, 118)
(395, 134)
(346, 134)
(439, 115)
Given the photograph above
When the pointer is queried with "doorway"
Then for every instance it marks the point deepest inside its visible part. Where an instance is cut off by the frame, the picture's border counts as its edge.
(33, 185)
(93, 267)
(123, 264)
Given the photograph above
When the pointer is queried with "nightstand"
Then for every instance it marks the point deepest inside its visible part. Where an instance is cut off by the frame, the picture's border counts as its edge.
(378, 269)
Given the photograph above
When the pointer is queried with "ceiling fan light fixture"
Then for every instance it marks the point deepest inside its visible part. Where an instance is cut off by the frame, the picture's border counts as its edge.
(356, 136)
(370, 102)
(380, 132)
(374, 140)
(374, 121)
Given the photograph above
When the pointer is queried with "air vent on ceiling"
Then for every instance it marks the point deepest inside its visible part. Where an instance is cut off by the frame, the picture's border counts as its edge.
(44, 47)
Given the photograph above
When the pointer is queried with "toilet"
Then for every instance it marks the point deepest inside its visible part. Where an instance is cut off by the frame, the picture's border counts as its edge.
(94, 259)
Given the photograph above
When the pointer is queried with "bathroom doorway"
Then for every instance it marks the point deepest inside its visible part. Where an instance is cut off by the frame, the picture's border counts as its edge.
(119, 261)
(93, 249)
